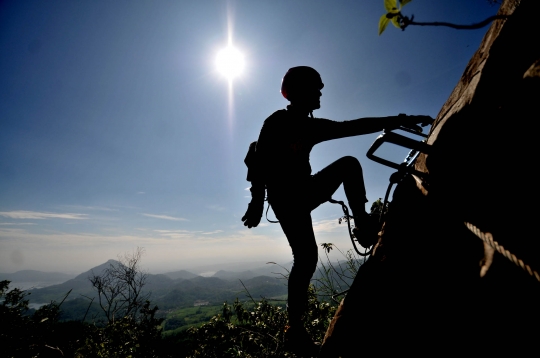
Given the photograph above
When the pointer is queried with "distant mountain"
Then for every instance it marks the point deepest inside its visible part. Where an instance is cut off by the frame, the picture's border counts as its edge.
(98, 270)
(271, 270)
(81, 286)
(231, 275)
(182, 274)
(339, 274)
(178, 288)
(216, 291)
(35, 276)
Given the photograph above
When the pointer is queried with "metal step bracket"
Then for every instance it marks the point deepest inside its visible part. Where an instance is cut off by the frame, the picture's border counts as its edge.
(417, 147)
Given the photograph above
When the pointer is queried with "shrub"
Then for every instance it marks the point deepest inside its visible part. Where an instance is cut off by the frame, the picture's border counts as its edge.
(255, 330)
(23, 335)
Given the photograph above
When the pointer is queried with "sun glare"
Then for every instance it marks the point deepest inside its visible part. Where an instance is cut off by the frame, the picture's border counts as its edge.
(230, 62)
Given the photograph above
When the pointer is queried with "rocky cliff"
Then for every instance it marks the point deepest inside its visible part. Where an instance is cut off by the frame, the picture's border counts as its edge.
(432, 286)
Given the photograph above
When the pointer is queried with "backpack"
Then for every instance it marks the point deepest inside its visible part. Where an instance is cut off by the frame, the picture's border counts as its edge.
(254, 173)
(251, 163)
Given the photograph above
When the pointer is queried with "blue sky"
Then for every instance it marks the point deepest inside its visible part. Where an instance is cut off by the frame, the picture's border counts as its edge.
(117, 131)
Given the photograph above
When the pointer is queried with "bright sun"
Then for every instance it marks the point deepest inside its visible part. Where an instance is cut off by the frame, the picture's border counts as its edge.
(230, 62)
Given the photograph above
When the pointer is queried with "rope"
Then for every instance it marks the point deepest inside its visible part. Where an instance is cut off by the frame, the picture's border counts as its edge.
(488, 238)
(348, 217)
(270, 221)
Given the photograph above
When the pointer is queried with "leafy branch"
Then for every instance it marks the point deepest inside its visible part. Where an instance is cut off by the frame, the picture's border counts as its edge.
(394, 15)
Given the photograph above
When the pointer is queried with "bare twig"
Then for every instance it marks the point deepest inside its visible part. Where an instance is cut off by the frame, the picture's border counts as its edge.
(67, 294)
(120, 287)
(89, 305)
(247, 292)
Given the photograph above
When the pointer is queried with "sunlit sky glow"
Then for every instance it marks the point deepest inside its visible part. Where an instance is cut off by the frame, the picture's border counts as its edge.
(118, 130)
(230, 62)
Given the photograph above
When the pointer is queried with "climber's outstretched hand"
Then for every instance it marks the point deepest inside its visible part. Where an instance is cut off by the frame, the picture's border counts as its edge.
(414, 122)
(253, 214)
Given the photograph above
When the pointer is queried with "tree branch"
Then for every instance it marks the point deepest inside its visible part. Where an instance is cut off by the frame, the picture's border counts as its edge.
(479, 25)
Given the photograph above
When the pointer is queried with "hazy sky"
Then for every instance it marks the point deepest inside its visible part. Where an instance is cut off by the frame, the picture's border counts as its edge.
(116, 130)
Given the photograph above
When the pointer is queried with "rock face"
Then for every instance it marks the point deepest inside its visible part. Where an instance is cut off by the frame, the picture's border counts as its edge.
(431, 286)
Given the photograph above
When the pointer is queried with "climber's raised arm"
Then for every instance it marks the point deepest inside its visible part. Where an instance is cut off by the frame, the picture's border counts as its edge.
(328, 130)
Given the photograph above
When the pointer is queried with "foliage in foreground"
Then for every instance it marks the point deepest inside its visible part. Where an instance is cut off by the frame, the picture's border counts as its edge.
(241, 330)
(256, 330)
(42, 335)
(125, 337)
(21, 334)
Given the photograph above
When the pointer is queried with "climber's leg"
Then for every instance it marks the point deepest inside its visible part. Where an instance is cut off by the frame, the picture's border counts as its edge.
(346, 170)
(298, 229)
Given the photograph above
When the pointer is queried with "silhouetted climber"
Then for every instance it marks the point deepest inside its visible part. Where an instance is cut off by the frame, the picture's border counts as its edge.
(279, 163)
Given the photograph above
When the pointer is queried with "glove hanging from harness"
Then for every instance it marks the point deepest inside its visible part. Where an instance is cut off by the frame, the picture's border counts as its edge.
(253, 214)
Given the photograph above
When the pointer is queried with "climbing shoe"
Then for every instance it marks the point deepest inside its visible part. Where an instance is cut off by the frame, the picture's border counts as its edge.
(298, 341)
(366, 230)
